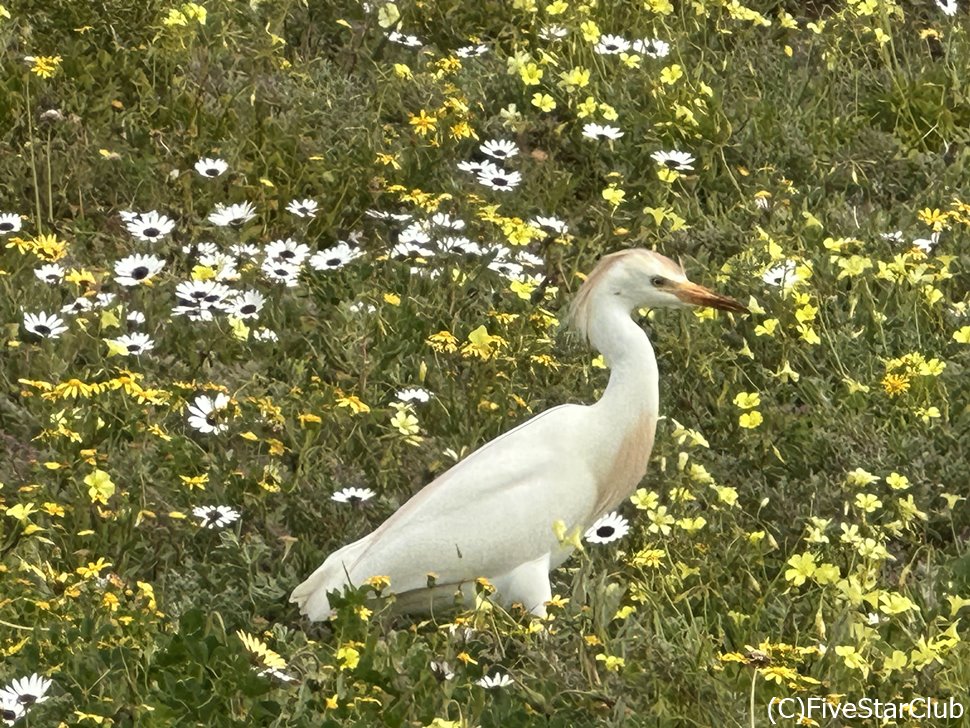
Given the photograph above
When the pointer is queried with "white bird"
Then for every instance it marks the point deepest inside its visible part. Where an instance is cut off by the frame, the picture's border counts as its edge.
(500, 512)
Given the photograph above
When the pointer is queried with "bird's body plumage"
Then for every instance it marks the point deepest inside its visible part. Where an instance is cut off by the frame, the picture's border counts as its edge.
(494, 514)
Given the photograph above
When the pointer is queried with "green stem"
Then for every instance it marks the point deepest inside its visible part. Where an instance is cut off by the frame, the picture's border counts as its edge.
(33, 158)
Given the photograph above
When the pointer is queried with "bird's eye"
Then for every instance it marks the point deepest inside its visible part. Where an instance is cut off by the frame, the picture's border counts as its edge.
(658, 281)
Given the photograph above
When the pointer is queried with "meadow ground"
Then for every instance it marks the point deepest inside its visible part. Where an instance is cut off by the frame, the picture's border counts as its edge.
(255, 255)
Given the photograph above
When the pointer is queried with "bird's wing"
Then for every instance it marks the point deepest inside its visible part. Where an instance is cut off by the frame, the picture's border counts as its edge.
(483, 517)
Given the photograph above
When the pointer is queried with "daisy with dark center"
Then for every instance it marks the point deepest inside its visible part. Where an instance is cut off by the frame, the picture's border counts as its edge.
(245, 250)
(41, 324)
(550, 223)
(783, 273)
(475, 167)
(499, 179)
(215, 516)
(353, 496)
(444, 220)
(9, 223)
(287, 251)
(232, 215)
(411, 41)
(334, 258)
(380, 215)
(51, 273)
(203, 294)
(611, 45)
(265, 334)
(610, 527)
(104, 299)
(471, 51)
(303, 208)
(499, 148)
(247, 305)
(78, 305)
(441, 670)
(211, 167)
(459, 244)
(204, 248)
(416, 232)
(137, 318)
(150, 226)
(410, 251)
(137, 269)
(675, 160)
(133, 344)
(207, 414)
(601, 131)
(223, 264)
(27, 691)
(652, 47)
(280, 271)
(507, 268)
(10, 710)
(553, 32)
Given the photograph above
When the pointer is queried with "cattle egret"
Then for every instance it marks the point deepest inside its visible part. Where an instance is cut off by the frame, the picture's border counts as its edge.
(501, 512)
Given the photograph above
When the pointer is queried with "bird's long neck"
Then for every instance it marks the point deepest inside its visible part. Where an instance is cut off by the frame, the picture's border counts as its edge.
(633, 391)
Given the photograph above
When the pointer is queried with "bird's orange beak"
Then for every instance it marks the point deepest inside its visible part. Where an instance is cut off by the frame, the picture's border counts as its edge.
(699, 296)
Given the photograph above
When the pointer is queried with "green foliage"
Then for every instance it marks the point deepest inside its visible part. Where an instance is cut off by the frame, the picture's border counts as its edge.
(763, 560)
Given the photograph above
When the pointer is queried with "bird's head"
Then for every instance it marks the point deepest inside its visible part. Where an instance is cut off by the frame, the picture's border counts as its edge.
(640, 278)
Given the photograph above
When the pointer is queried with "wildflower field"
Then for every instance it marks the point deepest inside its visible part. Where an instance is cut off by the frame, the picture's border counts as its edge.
(269, 267)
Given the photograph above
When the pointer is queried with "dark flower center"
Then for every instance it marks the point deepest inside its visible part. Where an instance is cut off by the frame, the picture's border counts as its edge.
(212, 517)
(139, 272)
(6, 226)
(211, 172)
(671, 163)
(248, 308)
(27, 699)
(605, 531)
(334, 262)
(286, 254)
(303, 210)
(212, 298)
(8, 715)
(151, 232)
(499, 181)
(42, 330)
(134, 348)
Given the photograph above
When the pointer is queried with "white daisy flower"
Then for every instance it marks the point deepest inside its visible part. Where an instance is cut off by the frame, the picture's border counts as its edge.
(601, 131)
(247, 305)
(150, 226)
(498, 680)
(245, 250)
(411, 41)
(459, 244)
(499, 179)
(136, 269)
(927, 244)
(104, 299)
(610, 527)
(201, 249)
(211, 167)
(129, 216)
(380, 215)
(550, 223)
(681, 161)
(303, 208)
(474, 167)
(949, 7)
(10, 709)
(215, 516)
(287, 251)
(441, 670)
(896, 236)
(499, 148)
(50, 273)
(9, 223)
(416, 232)
(227, 215)
(134, 344)
(782, 274)
(553, 32)
(444, 220)
(413, 394)
(610, 45)
(78, 305)
(136, 318)
(410, 251)
(41, 324)
(353, 495)
(265, 334)
(28, 691)
(223, 264)
(471, 51)
(334, 258)
(280, 271)
(507, 268)
(202, 295)
(205, 413)
(274, 672)
(652, 47)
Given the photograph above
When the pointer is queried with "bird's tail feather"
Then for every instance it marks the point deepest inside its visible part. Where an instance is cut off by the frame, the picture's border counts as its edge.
(311, 595)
